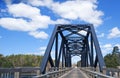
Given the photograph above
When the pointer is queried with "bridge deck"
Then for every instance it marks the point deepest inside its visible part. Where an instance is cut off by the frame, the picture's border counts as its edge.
(74, 73)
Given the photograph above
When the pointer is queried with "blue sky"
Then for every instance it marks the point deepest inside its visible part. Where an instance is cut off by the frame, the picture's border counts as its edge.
(26, 25)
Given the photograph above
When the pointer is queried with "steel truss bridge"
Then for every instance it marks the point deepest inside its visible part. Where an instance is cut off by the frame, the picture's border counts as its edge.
(80, 40)
(67, 41)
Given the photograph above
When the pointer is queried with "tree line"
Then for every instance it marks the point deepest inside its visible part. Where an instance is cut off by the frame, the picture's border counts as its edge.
(20, 60)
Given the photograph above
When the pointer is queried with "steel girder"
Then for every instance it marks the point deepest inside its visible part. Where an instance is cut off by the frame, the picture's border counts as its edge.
(80, 40)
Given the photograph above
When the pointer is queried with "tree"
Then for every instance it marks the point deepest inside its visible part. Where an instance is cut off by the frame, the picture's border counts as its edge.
(115, 50)
(113, 59)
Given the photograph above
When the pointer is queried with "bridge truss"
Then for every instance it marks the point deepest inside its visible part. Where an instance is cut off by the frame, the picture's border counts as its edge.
(71, 40)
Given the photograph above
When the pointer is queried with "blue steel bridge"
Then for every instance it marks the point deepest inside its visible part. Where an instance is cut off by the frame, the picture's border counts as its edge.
(68, 40)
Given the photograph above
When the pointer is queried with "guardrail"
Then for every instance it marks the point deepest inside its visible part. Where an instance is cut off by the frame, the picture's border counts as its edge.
(54, 73)
(112, 72)
(94, 74)
(19, 72)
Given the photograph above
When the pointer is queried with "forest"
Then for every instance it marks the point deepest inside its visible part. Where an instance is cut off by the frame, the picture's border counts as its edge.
(20, 60)
(112, 60)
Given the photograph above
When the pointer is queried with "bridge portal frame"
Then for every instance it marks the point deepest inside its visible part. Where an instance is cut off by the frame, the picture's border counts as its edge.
(87, 45)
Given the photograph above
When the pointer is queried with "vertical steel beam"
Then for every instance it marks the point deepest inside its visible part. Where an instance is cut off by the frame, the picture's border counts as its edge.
(62, 59)
(70, 61)
(87, 51)
(87, 47)
(96, 61)
(83, 57)
(92, 53)
(97, 48)
(63, 55)
(56, 50)
(48, 51)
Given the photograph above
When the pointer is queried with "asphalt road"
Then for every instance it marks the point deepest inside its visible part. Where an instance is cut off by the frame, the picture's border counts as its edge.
(74, 73)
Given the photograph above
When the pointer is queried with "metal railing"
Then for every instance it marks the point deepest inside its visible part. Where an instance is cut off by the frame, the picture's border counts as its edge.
(114, 72)
(94, 74)
(54, 73)
(19, 72)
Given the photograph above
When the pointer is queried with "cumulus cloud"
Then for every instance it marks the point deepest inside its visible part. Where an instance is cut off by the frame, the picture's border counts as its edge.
(15, 24)
(41, 2)
(41, 34)
(77, 9)
(32, 13)
(114, 33)
(108, 48)
(83, 10)
(24, 10)
(29, 18)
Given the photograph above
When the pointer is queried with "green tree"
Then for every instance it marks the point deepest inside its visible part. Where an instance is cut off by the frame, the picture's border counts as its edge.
(112, 60)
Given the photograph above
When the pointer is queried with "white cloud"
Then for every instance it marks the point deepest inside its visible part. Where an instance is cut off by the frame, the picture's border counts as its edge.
(29, 18)
(114, 33)
(101, 35)
(79, 9)
(32, 13)
(118, 45)
(23, 10)
(107, 48)
(37, 20)
(41, 2)
(43, 48)
(41, 34)
(84, 10)
(15, 24)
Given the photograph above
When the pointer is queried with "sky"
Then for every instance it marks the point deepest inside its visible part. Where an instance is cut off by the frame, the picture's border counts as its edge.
(26, 25)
